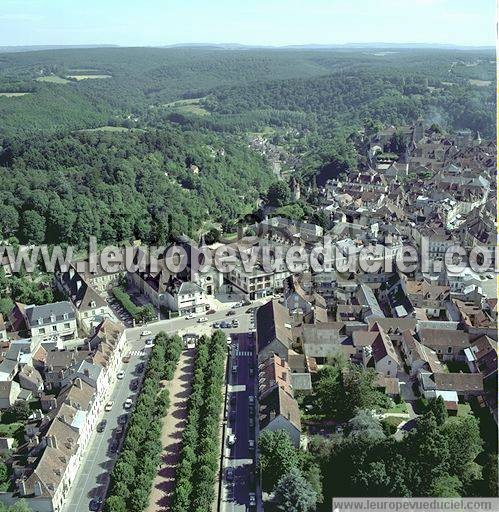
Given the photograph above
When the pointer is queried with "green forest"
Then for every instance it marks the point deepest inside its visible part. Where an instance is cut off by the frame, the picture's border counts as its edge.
(149, 143)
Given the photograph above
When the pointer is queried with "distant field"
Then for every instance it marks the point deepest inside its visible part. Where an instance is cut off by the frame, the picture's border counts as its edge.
(190, 106)
(480, 83)
(53, 79)
(88, 77)
(111, 129)
(13, 94)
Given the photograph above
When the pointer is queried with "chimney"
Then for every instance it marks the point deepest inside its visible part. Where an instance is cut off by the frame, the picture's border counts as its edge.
(52, 441)
(22, 487)
(78, 383)
(86, 372)
(38, 489)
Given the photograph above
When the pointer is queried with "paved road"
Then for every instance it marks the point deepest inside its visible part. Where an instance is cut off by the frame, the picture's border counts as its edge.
(93, 476)
(241, 422)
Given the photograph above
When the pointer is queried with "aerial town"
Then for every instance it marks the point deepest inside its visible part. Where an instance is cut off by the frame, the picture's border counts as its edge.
(235, 391)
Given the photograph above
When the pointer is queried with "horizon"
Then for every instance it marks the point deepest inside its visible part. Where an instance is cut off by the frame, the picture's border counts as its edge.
(127, 23)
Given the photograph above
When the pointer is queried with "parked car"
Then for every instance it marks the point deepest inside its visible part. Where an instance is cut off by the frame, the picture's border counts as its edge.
(251, 445)
(134, 385)
(246, 303)
(229, 341)
(231, 312)
(190, 316)
(251, 371)
(126, 359)
(229, 475)
(123, 419)
(95, 504)
(210, 312)
(234, 368)
(251, 400)
(146, 333)
(149, 342)
(231, 439)
(113, 447)
(232, 416)
(101, 426)
(128, 403)
(109, 406)
(224, 325)
(252, 499)
(140, 368)
(251, 421)
(202, 319)
(235, 323)
(120, 375)
(216, 325)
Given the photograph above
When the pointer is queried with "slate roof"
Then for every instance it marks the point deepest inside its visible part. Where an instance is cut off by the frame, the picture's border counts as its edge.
(48, 314)
(271, 323)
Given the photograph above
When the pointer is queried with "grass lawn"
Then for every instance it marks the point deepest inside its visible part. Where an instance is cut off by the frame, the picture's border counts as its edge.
(400, 408)
(189, 106)
(457, 366)
(463, 409)
(13, 94)
(394, 420)
(15, 430)
(88, 77)
(53, 79)
(109, 129)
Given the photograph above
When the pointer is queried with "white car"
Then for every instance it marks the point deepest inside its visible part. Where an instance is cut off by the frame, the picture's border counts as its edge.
(252, 499)
(120, 375)
(231, 439)
(202, 319)
(109, 406)
(190, 317)
(146, 333)
(229, 341)
(128, 403)
(149, 342)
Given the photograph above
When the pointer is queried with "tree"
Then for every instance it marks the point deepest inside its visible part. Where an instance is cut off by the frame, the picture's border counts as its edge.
(6, 306)
(277, 456)
(366, 425)
(212, 236)
(20, 410)
(328, 390)
(437, 407)
(279, 194)
(115, 503)
(490, 476)
(33, 227)
(446, 486)
(463, 439)
(397, 143)
(294, 494)
(9, 220)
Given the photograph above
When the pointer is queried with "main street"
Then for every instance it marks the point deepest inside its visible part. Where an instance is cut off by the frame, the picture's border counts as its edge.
(241, 421)
(93, 475)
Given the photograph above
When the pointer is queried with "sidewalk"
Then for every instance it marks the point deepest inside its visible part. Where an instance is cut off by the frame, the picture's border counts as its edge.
(174, 422)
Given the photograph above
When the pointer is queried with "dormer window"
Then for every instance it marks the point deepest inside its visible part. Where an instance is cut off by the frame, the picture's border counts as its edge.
(40, 321)
(52, 318)
(92, 304)
(66, 316)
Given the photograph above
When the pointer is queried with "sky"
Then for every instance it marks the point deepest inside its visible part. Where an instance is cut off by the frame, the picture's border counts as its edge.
(254, 22)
